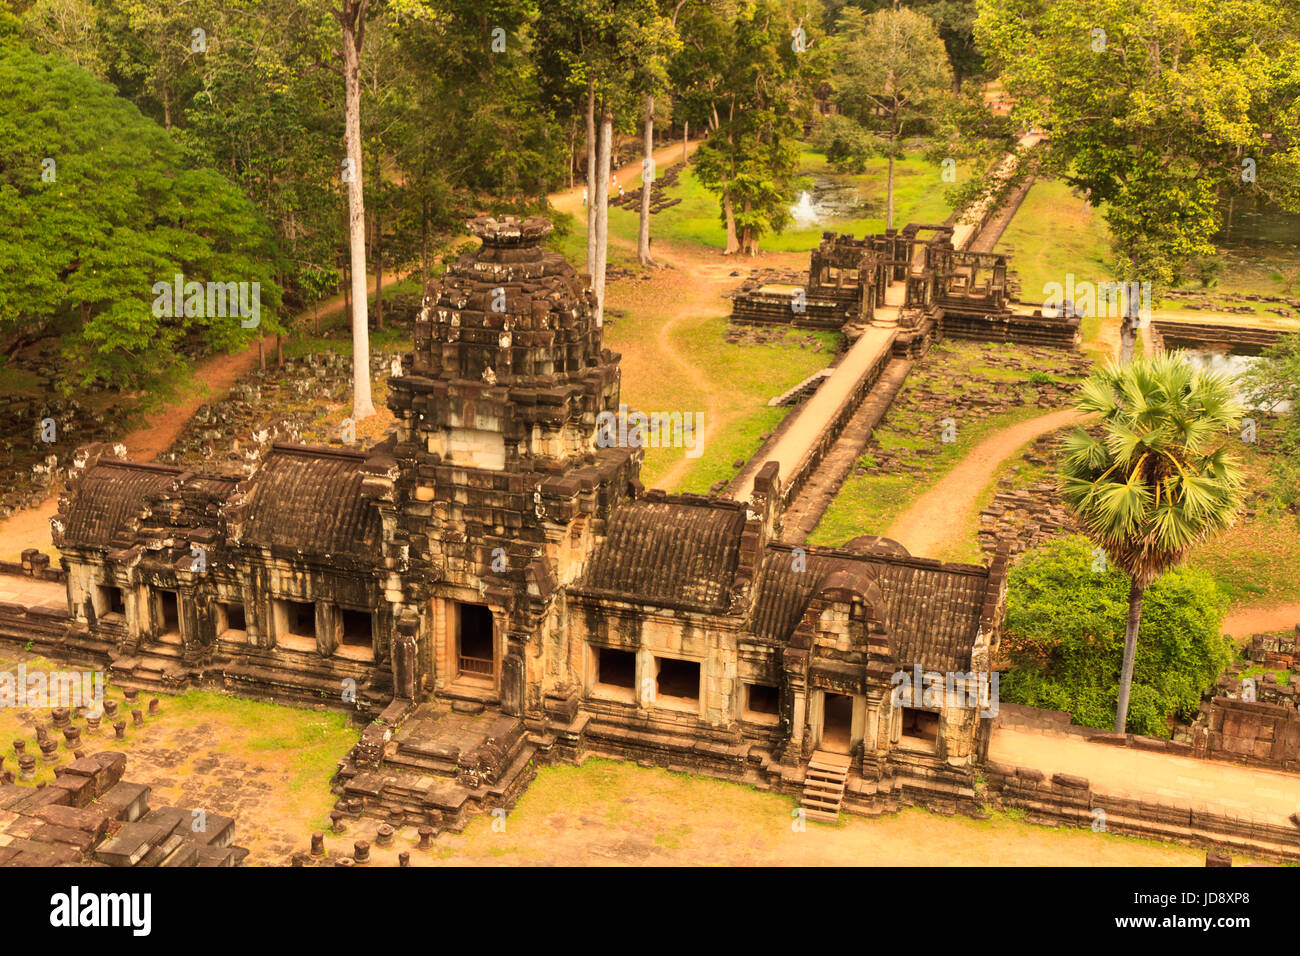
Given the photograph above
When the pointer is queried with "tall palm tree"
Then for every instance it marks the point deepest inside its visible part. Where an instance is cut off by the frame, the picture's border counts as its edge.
(1158, 478)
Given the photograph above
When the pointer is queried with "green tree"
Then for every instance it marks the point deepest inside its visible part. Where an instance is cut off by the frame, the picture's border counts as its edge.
(650, 78)
(611, 50)
(1157, 479)
(759, 89)
(257, 104)
(891, 76)
(1063, 639)
(96, 207)
(351, 16)
(1158, 109)
(1272, 385)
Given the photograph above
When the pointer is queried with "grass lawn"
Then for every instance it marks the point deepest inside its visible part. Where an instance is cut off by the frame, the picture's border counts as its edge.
(265, 764)
(1255, 561)
(1053, 234)
(676, 359)
(612, 813)
(868, 503)
(696, 220)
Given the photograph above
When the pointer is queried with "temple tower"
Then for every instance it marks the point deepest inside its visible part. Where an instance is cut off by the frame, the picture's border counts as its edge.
(500, 477)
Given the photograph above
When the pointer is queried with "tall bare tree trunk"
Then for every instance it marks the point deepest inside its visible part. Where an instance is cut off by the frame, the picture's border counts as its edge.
(647, 182)
(748, 241)
(686, 139)
(352, 18)
(424, 245)
(729, 213)
(347, 292)
(573, 150)
(889, 220)
(1130, 653)
(591, 179)
(601, 202)
(1129, 325)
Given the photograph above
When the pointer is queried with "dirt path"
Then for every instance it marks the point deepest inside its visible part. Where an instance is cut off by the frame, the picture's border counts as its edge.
(570, 200)
(937, 520)
(693, 286)
(1245, 621)
(619, 814)
(1127, 772)
(214, 375)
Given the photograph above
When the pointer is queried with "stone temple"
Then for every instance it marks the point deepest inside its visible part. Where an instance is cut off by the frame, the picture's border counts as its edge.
(491, 588)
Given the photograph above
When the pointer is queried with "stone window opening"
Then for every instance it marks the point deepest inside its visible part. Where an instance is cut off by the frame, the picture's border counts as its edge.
(356, 635)
(762, 703)
(475, 645)
(109, 600)
(167, 611)
(920, 729)
(616, 673)
(677, 682)
(231, 620)
(295, 625)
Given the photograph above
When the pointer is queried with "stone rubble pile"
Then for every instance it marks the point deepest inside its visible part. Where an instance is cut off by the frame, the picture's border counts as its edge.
(268, 406)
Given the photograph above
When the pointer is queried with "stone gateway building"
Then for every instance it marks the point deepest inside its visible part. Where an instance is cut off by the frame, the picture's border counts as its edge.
(498, 589)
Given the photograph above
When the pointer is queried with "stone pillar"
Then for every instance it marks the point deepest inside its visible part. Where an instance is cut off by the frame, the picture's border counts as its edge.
(513, 673)
(405, 665)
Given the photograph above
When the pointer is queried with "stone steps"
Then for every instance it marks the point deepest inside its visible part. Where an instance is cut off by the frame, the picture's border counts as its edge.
(824, 784)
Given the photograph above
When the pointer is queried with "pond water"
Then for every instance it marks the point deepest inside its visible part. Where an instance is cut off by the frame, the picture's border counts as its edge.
(1248, 224)
(1226, 363)
(1258, 243)
(831, 198)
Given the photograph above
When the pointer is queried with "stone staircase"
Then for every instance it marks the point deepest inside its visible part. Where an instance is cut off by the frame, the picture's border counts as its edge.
(823, 786)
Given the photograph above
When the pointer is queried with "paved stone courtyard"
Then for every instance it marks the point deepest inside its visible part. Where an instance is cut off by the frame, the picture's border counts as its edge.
(265, 765)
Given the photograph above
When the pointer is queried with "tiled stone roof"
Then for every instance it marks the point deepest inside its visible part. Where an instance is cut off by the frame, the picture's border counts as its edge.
(931, 610)
(669, 550)
(309, 500)
(108, 500)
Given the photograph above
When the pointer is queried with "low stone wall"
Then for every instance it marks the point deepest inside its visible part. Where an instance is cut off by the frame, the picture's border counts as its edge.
(1020, 717)
(1060, 332)
(1253, 733)
(770, 308)
(832, 428)
(1245, 340)
(34, 564)
(1065, 799)
(42, 626)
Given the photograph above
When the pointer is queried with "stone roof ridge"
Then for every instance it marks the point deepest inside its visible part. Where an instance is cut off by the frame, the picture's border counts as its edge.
(911, 561)
(693, 499)
(318, 451)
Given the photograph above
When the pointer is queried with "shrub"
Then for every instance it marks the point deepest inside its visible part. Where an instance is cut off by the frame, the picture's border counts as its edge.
(1064, 639)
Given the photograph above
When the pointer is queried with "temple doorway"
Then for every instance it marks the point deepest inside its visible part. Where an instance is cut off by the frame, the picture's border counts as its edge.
(475, 646)
(837, 723)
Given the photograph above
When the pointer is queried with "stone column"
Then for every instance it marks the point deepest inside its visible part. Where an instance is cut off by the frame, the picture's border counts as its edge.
(405, 665)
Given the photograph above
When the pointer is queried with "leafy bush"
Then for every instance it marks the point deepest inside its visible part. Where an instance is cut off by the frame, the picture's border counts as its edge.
(846, 145)
(96, 207)
(1064, 639)
(1272, 383)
